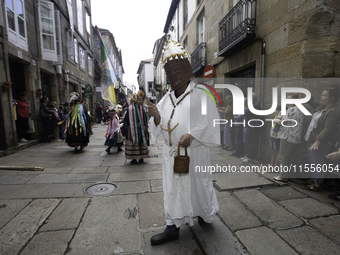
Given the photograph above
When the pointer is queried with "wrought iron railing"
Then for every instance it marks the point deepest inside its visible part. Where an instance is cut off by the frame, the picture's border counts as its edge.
(237, 26)
(198, 58)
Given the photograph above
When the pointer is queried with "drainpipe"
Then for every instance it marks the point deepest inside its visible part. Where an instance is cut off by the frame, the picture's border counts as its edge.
(262, 61)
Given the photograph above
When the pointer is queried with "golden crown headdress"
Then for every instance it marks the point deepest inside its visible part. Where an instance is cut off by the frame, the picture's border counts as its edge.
(173, 50)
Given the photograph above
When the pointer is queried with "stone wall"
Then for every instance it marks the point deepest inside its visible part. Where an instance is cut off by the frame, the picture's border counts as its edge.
(302, 41)
(34, 65)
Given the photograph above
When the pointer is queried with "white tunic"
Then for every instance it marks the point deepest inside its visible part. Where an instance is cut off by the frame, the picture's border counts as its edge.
(188, 195)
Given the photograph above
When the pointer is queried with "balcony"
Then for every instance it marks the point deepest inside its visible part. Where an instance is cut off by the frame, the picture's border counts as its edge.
(237, 28)
(198, 59)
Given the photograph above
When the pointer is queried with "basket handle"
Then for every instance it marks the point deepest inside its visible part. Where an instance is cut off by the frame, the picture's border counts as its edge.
(178, 152)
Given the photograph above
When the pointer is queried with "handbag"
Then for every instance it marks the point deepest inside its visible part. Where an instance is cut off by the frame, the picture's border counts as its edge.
(312, 136)
(31, 128)
(181, 163)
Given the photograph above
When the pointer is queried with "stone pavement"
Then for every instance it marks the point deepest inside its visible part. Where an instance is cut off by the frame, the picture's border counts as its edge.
(48, 212)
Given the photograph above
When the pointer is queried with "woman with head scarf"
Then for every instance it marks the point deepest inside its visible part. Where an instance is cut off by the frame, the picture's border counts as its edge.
(77, 124)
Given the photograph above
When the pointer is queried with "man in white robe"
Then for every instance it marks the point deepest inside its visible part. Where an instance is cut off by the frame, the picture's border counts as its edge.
(185, 195)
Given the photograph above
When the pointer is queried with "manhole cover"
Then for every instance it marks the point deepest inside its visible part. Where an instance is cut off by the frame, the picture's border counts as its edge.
(100, 189)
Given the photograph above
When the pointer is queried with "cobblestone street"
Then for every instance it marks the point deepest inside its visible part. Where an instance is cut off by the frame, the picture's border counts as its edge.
(48, 212)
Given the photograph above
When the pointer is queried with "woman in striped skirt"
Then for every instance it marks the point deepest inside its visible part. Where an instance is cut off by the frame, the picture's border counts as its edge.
(136, 134)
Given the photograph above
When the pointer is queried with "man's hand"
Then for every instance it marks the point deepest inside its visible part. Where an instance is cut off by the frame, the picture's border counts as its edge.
(333, 155)
(315, 145)
(185, 140)
(153, 111)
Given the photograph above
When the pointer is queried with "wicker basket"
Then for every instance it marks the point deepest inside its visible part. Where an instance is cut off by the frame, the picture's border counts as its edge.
(181, 164)
(178, 72)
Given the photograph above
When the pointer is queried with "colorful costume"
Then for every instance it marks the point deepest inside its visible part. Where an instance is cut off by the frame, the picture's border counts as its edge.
(136, 132)
(77, 126)
(113, 135)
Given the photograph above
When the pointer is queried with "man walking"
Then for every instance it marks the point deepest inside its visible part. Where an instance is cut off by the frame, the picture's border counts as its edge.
(178, 118)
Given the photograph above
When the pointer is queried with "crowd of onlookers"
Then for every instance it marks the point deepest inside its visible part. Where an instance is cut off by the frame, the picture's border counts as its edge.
(50, 117)
(53, 119)
(322, 137)
(243, 132)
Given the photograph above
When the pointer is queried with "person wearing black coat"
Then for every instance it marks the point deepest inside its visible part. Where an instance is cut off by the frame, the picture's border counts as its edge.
(45, 116)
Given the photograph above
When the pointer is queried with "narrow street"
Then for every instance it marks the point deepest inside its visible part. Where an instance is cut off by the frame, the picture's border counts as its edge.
(49, 212)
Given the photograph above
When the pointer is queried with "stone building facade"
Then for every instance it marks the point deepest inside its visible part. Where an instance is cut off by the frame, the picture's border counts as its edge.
(145, 78)
(115, 56)
(257, 39)
(44, 45)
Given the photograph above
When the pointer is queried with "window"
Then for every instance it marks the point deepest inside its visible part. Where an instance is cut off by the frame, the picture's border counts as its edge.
(185, 44)
(185, 13)
(80, 17)
(58, 38)
(150, 86)
(201, 29)
(81, 57)
(88, 29)
(89, 64)
(16, 23)
(47, 31)
(75, 50)
(1, 21)
(70, 44)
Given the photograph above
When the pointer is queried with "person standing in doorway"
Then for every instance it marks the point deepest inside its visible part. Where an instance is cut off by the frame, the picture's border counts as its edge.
(22, 117)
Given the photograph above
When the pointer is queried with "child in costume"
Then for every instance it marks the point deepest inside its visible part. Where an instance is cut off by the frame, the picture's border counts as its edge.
(136, 129)
(114, 135)
(77, 126)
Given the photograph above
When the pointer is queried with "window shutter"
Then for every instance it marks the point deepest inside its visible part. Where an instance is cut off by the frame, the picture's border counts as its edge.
(75, 50)
(80, 17)
(81, 57)
(47, 31)
(70, 44)
(58, 39)
(70, 14)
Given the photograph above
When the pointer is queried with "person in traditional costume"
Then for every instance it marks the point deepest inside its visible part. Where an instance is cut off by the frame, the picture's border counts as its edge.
(77, 124)
(114, 135)
(179, 119)
(136, 129)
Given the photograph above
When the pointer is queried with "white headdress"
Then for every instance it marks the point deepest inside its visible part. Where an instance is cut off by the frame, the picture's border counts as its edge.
(173, 50)
(74, 96)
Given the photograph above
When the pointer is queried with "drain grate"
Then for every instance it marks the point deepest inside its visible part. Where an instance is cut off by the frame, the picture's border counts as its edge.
(100, 189)
(153, 156)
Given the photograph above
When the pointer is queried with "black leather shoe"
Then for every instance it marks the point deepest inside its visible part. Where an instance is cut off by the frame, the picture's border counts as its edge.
(141, 160)
(201, 221)
(108, 151)
(163, 238)
(133, 161)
